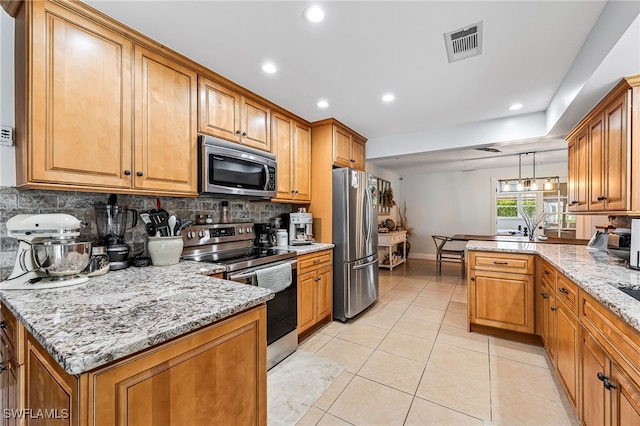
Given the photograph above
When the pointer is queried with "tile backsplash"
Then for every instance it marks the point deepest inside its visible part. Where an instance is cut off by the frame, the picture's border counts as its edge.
(80, 205)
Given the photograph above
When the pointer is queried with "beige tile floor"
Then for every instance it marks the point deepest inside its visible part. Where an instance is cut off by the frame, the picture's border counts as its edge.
(410, 361)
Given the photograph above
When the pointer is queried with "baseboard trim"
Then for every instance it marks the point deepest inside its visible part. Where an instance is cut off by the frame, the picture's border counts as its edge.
(423, 256)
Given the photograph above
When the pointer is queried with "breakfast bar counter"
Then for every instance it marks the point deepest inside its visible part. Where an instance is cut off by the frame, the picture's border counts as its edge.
(112, 316)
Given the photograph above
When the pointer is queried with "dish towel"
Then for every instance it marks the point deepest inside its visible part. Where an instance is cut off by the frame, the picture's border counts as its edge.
(276, 278)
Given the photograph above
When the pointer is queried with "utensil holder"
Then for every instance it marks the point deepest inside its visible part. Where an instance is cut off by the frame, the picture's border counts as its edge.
(165, 251)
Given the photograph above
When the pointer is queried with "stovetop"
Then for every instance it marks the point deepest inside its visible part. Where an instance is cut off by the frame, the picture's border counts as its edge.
(241, 258)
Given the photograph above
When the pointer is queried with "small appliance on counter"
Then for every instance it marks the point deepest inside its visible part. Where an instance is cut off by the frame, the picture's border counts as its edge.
(111, 221)
(300, 227)
(634, 255)
(49, 254)
(264, 235)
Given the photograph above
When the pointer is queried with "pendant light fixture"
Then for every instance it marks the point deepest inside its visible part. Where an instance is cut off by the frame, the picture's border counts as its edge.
(527, 184)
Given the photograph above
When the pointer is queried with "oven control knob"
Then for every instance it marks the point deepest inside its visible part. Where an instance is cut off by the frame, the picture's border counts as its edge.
(240, 230)
(248, 230)
(201, 234)
(190, 234)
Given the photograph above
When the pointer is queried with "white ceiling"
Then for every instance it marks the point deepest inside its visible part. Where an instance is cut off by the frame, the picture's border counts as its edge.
(364, 49)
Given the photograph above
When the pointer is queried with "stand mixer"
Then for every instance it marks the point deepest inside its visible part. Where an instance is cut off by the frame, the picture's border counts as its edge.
(48, 255)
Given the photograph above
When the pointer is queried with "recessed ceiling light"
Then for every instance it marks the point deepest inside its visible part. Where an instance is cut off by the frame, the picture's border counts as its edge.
(514, 107)
(269, 68)
(314, 14)
(323, 104)
(388, 97)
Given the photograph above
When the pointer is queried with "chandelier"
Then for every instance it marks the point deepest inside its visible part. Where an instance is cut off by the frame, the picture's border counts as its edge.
(529, 184)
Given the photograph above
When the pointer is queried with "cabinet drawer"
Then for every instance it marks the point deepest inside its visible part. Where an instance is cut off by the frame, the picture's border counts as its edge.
(313, 261)
(548, 273)
(391, 239)
(567, 291)
(502, 262)
(8, 326)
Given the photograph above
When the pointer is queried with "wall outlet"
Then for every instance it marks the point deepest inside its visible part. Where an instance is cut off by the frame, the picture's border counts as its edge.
(6, 135)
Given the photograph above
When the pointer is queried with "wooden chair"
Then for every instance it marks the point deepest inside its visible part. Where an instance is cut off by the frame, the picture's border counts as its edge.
(447, 255)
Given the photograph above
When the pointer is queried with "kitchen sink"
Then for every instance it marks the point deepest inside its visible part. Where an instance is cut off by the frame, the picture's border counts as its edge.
(633, 293)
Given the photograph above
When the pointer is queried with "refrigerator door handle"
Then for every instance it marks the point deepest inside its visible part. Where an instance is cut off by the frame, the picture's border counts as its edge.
(364, 265)
(368, 214)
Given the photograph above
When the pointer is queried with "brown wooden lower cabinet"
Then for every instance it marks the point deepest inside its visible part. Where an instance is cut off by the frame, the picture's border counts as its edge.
(595, 353)
(215, 375)
(315, 289)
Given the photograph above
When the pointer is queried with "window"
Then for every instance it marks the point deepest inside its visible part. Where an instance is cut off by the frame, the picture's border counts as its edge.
(508, 207)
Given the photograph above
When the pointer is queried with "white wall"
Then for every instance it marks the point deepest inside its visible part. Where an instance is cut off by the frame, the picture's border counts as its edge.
(7, 105)
(454, 203)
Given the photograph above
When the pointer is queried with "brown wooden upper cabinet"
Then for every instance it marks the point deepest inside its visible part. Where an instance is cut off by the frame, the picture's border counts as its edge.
(230, 115)
(77, 129)
(348, 147)
(601, 151)
(292, 146)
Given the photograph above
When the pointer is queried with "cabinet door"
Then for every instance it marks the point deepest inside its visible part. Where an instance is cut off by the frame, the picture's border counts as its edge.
(219, 110)
(595, 399)
(8, 382)
(302, 162)
(48, 386)
(81, 101)
(306, 301)
(256, 125)
(166, 125)
(502, 300)
(358, 154)
(567, 338)
(216, 376)
(626, 400)
(596, 164)
(578, 172)
(324, 291)
(341, 147)
(616, 155)
(283, 145)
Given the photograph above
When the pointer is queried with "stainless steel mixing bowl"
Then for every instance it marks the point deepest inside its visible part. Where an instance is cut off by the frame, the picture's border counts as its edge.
(60, 258)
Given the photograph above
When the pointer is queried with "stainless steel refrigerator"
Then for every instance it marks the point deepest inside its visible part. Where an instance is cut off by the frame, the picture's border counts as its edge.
(355, 235)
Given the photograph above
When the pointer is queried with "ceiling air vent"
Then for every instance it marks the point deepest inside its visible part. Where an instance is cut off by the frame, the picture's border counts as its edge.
(464, 42)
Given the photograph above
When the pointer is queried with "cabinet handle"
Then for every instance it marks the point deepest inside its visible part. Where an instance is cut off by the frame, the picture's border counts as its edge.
(472, 278)
(2, 367)
(546, 272)
(237, 132)
(601, 377)
(602, 198)
(544, 295)
(608, 385)
(318, 279)
(495, 262)
(244, 134)
(139, 173)
(574, 202)
(127, 172)
(315, 262)
(553, 308)
(564, 290)
(3, 325)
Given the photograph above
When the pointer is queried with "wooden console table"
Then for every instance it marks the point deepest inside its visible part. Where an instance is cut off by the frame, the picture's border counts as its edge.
(388, 240)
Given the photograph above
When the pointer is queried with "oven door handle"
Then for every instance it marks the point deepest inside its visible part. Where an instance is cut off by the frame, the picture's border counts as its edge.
(245, 275)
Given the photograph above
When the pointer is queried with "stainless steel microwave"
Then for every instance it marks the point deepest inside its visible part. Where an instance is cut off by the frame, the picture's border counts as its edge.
(231, 169)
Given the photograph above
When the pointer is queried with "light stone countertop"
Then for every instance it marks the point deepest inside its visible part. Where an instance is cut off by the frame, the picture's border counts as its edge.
(123, 312)
(310, 248)
(596, 272)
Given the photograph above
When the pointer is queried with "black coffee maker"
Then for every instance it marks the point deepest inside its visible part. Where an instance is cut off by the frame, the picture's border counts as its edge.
(264, 235)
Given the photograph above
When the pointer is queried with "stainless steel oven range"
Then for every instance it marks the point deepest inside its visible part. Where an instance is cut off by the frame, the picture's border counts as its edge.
(231, 245)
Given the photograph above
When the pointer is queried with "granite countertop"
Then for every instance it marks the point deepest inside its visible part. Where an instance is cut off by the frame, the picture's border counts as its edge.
(311, 248)
(123, 312)
(596, 272)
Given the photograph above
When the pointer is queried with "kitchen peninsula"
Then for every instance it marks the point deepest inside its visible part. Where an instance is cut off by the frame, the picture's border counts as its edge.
(575, 300)
(160, 340)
